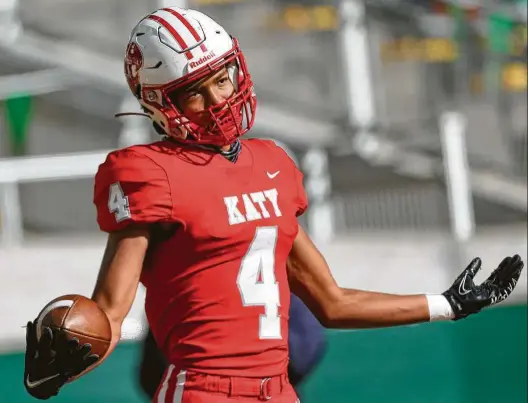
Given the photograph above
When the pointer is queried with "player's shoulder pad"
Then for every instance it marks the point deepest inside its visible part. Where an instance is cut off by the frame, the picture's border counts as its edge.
(276, 147)
(131, 165)
(130, 158)
(268, 143)
(131, 187)
(281, 153)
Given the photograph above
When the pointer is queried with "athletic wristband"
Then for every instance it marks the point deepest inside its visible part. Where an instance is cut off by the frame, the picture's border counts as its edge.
(439, 308)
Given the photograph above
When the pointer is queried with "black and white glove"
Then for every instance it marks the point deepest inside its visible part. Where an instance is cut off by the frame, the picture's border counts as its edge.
(52, 360)
(466, 298)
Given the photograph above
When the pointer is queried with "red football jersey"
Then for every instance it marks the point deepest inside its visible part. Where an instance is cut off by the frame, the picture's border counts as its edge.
(217, 294)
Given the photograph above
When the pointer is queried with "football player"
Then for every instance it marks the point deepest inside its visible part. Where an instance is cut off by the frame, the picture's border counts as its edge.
(208, 223)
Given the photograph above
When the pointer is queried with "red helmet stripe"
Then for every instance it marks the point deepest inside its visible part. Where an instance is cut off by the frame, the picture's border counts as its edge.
(184, 21)
(174, 33)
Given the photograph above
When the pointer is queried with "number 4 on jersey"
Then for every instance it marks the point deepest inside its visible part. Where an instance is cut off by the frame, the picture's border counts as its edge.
(118, 203)
(256, 281)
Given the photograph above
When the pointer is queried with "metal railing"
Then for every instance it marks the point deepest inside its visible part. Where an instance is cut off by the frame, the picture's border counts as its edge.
(427, 62)
(37, 169)
(392, 115)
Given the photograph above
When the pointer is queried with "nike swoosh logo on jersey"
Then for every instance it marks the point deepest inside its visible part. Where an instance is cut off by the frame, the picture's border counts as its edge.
(462, 287)
(34, 384)
(273, 175)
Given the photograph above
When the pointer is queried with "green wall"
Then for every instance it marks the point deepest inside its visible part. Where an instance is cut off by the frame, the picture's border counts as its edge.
(482, 359)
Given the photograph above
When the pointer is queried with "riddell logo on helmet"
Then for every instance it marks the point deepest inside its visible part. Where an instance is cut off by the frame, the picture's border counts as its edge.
(202, 60)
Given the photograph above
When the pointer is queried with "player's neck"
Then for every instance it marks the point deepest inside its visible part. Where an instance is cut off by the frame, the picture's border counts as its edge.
(232, 151)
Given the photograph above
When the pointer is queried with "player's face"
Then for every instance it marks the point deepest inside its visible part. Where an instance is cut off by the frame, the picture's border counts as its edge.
(204, 94)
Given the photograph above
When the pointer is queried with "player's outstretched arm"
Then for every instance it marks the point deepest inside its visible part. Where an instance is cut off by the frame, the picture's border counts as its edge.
(310, 278)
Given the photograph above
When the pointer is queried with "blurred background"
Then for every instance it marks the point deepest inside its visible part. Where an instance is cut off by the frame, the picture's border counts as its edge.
(407, 117)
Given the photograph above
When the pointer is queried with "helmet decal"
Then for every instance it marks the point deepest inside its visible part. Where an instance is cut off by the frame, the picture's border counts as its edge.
(187, 25)
(133, 63)
(184, 48)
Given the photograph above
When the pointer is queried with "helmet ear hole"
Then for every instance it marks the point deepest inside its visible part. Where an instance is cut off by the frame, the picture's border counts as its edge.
(147, 110)
(138, 91)
(159, 129)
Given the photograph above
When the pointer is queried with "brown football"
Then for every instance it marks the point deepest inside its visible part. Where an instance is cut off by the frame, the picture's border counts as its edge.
(78, 317)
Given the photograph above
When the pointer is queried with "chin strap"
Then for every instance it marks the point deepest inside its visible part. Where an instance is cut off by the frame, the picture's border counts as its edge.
(118, 115)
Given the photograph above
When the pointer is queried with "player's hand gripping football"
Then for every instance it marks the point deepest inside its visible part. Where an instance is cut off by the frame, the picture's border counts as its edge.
(466, 298)
(51, 361)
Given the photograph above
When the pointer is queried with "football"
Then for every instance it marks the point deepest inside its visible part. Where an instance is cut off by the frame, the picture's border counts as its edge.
(78, 317)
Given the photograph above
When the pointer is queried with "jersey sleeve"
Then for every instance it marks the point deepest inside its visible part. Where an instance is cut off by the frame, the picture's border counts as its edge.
(302, 199)
(130, 188)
